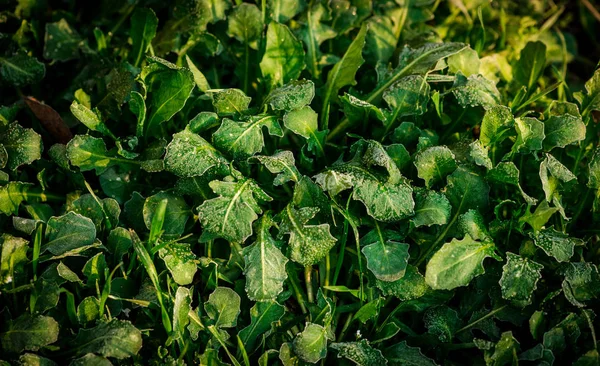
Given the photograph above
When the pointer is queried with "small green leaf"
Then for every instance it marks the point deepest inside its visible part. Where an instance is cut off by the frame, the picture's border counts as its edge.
(530, 134)
(311, 344)
(442, 322)
(283, 164)
(293, 95)
(519, 279)
(88, 153)
(457, 263)
(556, 244)
(304, 122)
(467, 190)
(181, 309)
(411, 286)
(91, 360)
(531, 64)
(401, 354)
(244, 139)
(283, 59)
(581, 283)
(180, 261)
(387, 259)
(431, 208)
(466, 62)
(116, 338)
(262, 316)
(190, 155)
(12, 195)
(229, 102)
(480, 154)
(61, 42)
(68, 232)
(562, 131)
(496, 126)
(407, 97)
(508, 173)
(29, 333)
(90, 118)
(308, 243)
(434, 164)
(177, 213)
(21, 70)
(475, 91)
(143, 29)
(361, 353)
(245, 24)
(223, 307)
(23, 145)
(13, 259)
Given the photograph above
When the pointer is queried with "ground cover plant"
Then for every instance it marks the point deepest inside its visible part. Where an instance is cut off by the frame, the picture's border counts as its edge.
(409, 182)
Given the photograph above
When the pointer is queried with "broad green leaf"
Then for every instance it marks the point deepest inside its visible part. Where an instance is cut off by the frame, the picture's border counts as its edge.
(505, 351)
(304, 122)
(466, 62)
(475, 91)
(177, 213)
(472, 223)
(562, 131)
(283, 164)
(442, 322)
(358, 111)
(190, 155)
(103, 212)
(480, 154)
(467, 190)
(12, 195)
(313, 32)
(223, 307)
(387, 259)
(229, 102)
(199, 78)
(68, 232)
(137, 106)
(92, 119)
(554, 176)
(180, 261)
(143, 29)
(244, 139)
(67, 274)
(13, 259)
(311, 344)
(21, 70)
(91, 359)
(508, 173)
(434, 164)
(23, 146)
(283, 59)
(540, 216)
(496, 126)
(456, 263)
(343, 73)
(88, 310)
(117, 338)
(293, 95)
(262, 315)
(169, 88)
(384, 201)
(29, 332)
(519, 279)
(245, 24)
(581, 283)
(407, 97)
(230, 216)
(381, 41)
(531, 64)
(401, 354)
(88, 153)
(431, 208)
(264, 265)
(181, 309)
(34, 360)
(530, 134)
(558, 245)
(61, 42)
(308, 243)
(361, 353)
(94, 269)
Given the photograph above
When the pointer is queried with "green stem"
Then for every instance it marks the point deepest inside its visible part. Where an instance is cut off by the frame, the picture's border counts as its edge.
(486, 316)
(308, 281)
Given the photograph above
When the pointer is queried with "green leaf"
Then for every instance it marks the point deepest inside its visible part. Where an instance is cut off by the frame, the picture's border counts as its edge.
(311, 344)
(466, 62)
(401, 354)
(230, 216)
(23, 145)
(562, 131)
(308, 243)
(467, 190)
(21, 70)
(190, 155)
(313, 33)
(245, 24)
(480, 154)
(13, 259)
(381, 40)
(283, 164)
(343, 73)
(530, 134)
(282, 11)
(68, 232)
(29, 332)
(508, 173)
(431, 208)
(229, 102)
(411, 286)
(180, 261)
(475, 91)
(358, 111)
(434, 164)
(442, 322)
(117, 338)
(244, 139)
(264, 265)
(591, 101)
(143, 29)
(169, 88)
(457, 263)
(293, 95)
(262, 316)
(558, 245)
(61, 42)
(92, 119)
(581, 283)
(304, 122)
(554, 176)
(12, 195)
(387, 259)
(531, 64)
(90, 360)
(283, 59)
(505, 351)
(384, 201)
(496, 126)
(181, 309)
(103, 212)
(594, 170)
(407, 97)
(361, 353)
(177, 213)
(88, 153)
(519, 279)
(223, 307)
(540, 216)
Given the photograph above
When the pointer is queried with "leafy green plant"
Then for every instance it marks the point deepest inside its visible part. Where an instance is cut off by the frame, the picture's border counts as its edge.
(293, 182)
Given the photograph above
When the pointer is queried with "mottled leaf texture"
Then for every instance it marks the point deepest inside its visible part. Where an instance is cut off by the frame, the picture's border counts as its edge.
(281, 163)
(457, 263)
(23, 145)
(61, 42)
(13, 258)
(556, 244)
(467, 190)
(581, 283)
(180, 261)
(229, 102)
(407, 97)
(442, 322)
(68, 232)
(190, 155)
(434, 164)
(401, 354)
(475, 91)
(223, 307)
(496, 126)
(21, 70)
(431, 208)
(562, 131)
(177, 212)
(291, 96)
(265, 265)
(311, 344)
(230, 216)
(262, 315)
(594, 171)
(244, 139)
(284, 56)
(387, 259)
(117, 338)
(308, 243)
(361, 353)
(530, 134)
(519, 279)
(29, 332)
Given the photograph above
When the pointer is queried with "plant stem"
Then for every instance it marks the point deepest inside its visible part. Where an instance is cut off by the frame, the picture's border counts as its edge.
(309, 287)
(486, 316)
